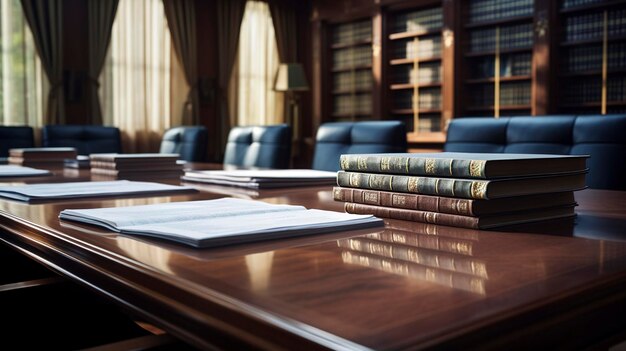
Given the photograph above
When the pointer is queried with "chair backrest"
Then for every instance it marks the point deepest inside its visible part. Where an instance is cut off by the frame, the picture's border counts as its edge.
(601, 137)
(259, 146)
(86, 139)
(190, 142)
(337, 138)
(15, 137)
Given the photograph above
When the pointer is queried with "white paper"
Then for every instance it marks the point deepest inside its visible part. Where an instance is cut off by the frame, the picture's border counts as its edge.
(256, 179)
(19, 171)
(219, 222)
(53, 191)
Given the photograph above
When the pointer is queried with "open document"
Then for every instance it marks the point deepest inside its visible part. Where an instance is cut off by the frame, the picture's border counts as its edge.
(8, 171)
(60, 191)
(219, 222)
(263, 179)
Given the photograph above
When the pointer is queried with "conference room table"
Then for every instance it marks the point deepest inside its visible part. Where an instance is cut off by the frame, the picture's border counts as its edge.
(555, 284)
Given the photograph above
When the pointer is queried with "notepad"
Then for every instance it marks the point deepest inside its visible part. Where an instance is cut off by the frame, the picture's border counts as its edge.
(19, 171)
(263, 179)
(219, 222)
(60, 191)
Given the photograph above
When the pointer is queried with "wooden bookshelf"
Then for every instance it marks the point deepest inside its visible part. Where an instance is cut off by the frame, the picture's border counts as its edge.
(593, 63)
(414, 71)
(498, 54)
(350, 51)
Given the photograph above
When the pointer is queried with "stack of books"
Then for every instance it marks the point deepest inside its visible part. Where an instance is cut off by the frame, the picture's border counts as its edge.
(136, 166)
(41, 156)
(469, 190)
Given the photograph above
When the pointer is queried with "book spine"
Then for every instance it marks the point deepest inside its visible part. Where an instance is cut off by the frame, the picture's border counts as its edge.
(407, 201)
(414, 166)
(413, 215)
(460, 188)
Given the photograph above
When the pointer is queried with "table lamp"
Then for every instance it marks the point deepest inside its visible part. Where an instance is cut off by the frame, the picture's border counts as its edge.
(290, 78)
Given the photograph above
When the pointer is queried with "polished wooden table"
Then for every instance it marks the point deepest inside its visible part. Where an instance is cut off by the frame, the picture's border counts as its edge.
(559, 284)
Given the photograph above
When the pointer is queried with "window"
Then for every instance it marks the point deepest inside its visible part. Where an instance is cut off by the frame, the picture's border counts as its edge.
(142, 84)
(23, 85)
(257, 103)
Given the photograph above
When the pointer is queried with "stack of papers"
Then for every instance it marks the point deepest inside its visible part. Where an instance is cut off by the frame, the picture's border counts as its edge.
(263, 179)
(219, 222)
(19, 171)
(60, 191)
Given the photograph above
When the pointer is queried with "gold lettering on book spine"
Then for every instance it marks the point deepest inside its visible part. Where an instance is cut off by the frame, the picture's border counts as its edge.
(385, 163)
(413, 185)
(344, 162)
(361, 163)
(355, 180)
(478, 190)
(429, 166)
(477, 168)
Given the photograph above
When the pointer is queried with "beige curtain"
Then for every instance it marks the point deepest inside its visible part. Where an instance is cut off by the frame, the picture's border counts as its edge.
(101, 14)
(257, 103)
(142, 84)
(23, 84)
(181, 19)
(45, 18)
(229, 16)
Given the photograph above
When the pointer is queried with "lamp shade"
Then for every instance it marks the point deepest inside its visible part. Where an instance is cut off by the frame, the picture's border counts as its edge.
(290, 77)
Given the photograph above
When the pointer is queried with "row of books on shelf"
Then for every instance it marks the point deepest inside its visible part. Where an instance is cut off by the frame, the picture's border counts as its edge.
(427, 98)
(461, 189)
(352, 57)
(583, 90)
(424, 48)
(589, 57)
(418, 21)
(353, 32)
(427, 72)
(511, 37)
(361, 79)
(353, 104)
(490, 10)
(427, 122)
(510, 65)
(511, 93)
(591, 25)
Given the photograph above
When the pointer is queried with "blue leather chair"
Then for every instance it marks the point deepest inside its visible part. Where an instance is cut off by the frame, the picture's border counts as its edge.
(190, 142)
(337, 138)
(14, 137)
(259, 146)
(601, 137)
(86, 139)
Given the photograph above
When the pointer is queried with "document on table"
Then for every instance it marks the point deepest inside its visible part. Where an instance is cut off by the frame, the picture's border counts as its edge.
(263, 179)
(60, 191)
(7, 171)
(219, 222)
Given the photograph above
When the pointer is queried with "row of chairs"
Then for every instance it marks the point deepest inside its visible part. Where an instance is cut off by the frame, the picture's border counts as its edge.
(256, 146)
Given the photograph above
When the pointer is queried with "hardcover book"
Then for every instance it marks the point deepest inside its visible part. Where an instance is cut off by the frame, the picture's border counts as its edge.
(464, 165)
(465, 207)
(463, 188)
(485, 222)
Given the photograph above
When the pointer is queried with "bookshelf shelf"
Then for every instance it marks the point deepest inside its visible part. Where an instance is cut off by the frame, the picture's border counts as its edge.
(408, 111)
(502, 107)
(502, 79)
(406, 61)
(405, 35)
(508, 20)
(503, 51)
(352, 44)
(409, 86)
(355, 91)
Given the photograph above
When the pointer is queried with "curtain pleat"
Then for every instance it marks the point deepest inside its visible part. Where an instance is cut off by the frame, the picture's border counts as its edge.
(101, 14)
(229, 17)
(285, 26)
(181, 19)
(45, 18)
